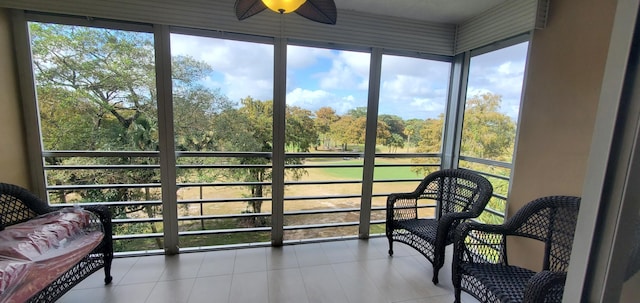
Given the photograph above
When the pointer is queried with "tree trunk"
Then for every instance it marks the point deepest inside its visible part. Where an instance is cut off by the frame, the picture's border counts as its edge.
(257, 192)
(150, 214)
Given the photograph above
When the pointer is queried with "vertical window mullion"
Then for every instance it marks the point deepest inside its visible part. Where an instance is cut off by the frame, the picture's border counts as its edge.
(279, 125)
(455, 111)
(370, 142)
(167, 148)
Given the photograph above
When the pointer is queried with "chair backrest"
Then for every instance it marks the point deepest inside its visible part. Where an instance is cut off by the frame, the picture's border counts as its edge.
(456, 190)
(551, 220)
(18, 205)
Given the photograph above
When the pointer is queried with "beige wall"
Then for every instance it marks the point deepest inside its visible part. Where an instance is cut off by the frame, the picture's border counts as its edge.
(562, 90)
(13, 158)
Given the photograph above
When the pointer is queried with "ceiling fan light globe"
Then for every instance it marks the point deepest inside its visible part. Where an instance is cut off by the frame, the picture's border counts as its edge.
(283, 6)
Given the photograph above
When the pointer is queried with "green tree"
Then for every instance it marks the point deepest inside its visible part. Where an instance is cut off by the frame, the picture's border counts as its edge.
(348, 130)
(106, 75)
(96, 91)
(324, 118)
(430, 134)
(383, 134)
(394, 142)
(252, 123)
(412, 131)
(358, 112)
(396, 124)
(257, 116)
(300, 133)
(103, 80)
(487, 133)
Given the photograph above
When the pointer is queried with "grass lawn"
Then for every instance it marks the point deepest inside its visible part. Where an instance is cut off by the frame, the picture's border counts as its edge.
(379, 173)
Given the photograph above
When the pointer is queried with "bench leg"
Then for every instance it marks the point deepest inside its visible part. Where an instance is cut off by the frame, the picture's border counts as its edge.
(107, 269)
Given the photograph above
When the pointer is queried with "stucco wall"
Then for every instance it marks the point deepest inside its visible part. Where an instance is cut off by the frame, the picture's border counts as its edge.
(562, 90)
(13, 158)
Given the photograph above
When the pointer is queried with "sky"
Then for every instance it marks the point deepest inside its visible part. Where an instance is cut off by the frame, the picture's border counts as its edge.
(317, 77)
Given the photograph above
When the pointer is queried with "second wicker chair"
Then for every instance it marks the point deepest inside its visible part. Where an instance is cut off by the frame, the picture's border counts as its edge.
(459, 195)
(480, 263)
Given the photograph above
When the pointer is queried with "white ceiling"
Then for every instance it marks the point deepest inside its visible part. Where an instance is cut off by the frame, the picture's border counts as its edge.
(442, 11)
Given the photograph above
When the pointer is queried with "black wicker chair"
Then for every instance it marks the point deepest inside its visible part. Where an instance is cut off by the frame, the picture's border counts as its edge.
(480, 265)
(19, 205)
(459, 195)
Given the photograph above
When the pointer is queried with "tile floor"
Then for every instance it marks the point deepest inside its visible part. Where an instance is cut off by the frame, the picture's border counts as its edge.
(350, 271)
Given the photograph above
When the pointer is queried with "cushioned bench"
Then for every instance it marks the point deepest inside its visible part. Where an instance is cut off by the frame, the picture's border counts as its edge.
(45, 251)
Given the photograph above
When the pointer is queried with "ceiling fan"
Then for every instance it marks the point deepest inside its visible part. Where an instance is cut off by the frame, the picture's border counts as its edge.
(323, 11)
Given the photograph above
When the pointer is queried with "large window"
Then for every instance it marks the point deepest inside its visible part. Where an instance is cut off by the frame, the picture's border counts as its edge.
(413, 98)
(96, 98)
(327, 93)
(491, 112)
(222, 110)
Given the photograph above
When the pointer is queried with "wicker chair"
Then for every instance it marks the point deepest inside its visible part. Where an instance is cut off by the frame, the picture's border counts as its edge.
(19, 205)
(480, 265)
(459, 195)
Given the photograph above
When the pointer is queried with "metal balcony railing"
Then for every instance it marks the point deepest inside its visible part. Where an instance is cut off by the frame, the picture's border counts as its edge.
(138, 221)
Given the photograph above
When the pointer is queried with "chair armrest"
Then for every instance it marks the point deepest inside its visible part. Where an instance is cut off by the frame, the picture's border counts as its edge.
(402, 206)
(104, 214)
(480, 243)
(545, 284)
(449, 222)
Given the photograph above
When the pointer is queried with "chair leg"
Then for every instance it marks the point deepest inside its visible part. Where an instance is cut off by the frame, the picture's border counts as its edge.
(438, 262)
(457, 285)
(390, 246)
(457, 295)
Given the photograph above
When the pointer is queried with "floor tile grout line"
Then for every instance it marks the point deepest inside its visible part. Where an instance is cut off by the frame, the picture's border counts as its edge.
(365, 277)
(126, 273)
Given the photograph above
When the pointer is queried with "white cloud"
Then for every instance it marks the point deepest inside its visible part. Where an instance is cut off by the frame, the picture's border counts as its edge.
(339, 77)
(477, 91)
(427, 104)
(245, 68)
(413, 87)
(308, 99)
(349, 70)
(429, 70)
(345, 104)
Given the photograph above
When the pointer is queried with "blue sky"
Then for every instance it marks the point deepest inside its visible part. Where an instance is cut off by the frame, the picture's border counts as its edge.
(410, 87)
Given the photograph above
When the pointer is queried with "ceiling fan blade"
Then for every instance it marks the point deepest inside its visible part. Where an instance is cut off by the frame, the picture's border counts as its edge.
(248, 8)
(323, 11)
